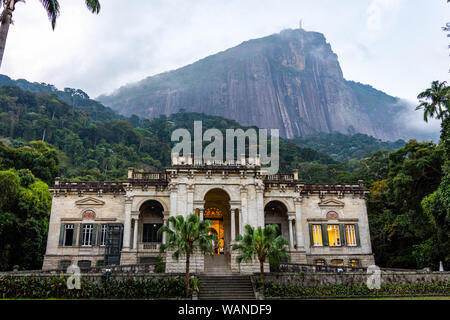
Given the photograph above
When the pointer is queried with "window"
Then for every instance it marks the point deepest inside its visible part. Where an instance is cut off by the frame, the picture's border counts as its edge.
(84, 264)
(68, 234)
(317, 234)
(150, 233)
(64, 264)
(337, 262)
(319, 262)
(333, 235)
(100, 263)
(103, 230)
(354, 263)
(350, 235)
(87, 235)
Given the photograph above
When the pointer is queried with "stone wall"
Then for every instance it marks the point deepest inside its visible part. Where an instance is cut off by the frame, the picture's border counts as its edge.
(357, 278)
(196, 265)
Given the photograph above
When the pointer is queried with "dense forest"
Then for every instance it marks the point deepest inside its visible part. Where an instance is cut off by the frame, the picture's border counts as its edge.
(45, 134)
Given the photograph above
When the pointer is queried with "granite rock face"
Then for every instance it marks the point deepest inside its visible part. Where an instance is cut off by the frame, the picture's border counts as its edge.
(290, 81)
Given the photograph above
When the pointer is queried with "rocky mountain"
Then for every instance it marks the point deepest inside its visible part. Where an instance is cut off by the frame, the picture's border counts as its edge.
(291, 81)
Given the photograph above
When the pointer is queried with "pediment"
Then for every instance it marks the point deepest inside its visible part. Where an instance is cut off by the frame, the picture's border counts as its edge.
(90, 201)
(333, 203)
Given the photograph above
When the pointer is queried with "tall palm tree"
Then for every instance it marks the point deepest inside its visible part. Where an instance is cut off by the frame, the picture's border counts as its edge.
(184, 237)
(261, 243)
(51, 7)
(435, 100)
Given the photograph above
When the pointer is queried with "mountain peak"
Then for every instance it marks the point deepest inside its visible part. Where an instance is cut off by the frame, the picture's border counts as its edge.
(290, 81)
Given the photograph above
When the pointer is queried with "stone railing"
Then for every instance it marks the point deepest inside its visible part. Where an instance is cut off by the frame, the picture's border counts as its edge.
(294, 267)
(119, 269)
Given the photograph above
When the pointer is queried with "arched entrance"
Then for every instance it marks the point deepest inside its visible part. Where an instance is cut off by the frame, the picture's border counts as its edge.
(151, 219)
(217, 210)
(275, 212)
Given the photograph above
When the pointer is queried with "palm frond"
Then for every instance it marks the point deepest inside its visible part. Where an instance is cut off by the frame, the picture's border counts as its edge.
(93, 6)
(52, 9)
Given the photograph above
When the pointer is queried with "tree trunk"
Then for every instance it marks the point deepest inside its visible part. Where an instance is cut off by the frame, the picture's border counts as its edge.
(6, 18)
(261, 274)
(187, 277)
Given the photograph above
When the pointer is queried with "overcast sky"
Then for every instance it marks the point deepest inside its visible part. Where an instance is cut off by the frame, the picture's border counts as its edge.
(396, 46)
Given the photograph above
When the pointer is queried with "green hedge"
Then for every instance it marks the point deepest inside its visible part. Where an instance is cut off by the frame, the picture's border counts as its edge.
(277, 290)
(56, 288)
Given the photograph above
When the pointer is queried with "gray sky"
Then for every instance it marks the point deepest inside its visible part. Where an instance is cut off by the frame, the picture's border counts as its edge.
(397, 46)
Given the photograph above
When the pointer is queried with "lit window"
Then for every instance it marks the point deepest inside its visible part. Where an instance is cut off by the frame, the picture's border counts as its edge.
(317, 235)
(319, 262)
(350, 234)
(87, 235)
(333, 235)
(354, 263)
(68, 234)
(337, 262)
(103, 234)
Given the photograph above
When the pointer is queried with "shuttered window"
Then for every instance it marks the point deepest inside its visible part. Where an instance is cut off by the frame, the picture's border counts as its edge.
(317, 235)
(68, 233)
(87, 235)
(350, 235)
(102, 237)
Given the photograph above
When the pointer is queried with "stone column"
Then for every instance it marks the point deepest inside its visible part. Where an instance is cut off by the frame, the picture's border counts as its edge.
(190, 199)
(291, 233)
(260, 204)
(165, 223)
(135, 236)
(173, 199)
(233, 224)
(127, 223)
(201, 211)
(243, 213)
(298, 223)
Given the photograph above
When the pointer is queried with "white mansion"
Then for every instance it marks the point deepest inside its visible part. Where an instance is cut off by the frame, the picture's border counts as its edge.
(100, 223)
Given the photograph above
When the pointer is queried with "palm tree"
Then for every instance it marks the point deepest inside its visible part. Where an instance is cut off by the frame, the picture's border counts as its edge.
(435, 100)
(261, 243)
(51, 6)
(184, 237)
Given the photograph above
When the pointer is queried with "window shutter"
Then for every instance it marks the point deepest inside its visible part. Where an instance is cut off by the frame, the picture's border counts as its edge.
(342, 234)
(311, 238)
(61, 234)
(358, 242)
(99, 234)
(80, 237)
(94, 235)
(325, 234)
(74, 235)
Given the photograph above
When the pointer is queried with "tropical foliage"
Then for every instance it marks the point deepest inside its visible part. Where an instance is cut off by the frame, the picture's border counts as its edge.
(184, 237)
(422, 288)
(261, 244)
(55, 287)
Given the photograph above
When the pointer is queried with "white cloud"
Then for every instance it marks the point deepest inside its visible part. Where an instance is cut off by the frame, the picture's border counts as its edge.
(376, 10)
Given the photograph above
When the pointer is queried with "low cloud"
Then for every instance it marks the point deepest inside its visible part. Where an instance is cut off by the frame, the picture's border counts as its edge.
(414, 125)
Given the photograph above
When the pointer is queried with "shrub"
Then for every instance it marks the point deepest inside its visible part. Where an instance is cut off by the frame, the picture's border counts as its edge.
(278, 290)
(55, 287)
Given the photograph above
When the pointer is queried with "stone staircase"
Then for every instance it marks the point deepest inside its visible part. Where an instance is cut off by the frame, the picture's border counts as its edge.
(225, 287)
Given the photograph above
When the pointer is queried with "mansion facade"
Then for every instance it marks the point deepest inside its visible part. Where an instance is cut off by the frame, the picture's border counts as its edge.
(112, 223)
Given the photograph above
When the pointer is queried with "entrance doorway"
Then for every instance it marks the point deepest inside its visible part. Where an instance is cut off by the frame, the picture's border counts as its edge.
(215, 215)
(217, 210)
